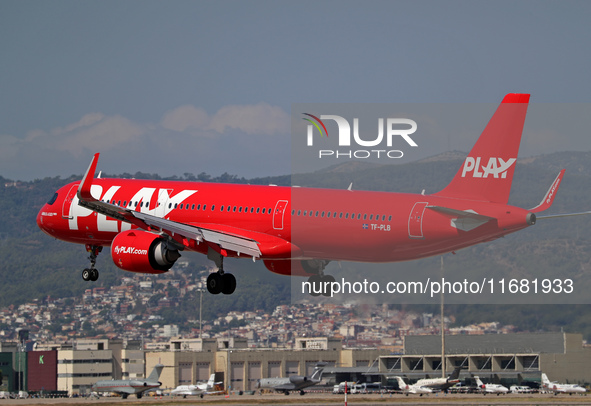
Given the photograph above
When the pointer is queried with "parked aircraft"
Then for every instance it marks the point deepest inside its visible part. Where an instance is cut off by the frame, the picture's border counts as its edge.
(440, 383)
(561, 387)
(199, 389)
(126, 387)
(414, 389)
(148, 223)
(490, 387)
(294, 382)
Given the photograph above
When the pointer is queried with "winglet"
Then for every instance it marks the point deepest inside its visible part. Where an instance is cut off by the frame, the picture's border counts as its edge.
(84, 188)
(550, 195)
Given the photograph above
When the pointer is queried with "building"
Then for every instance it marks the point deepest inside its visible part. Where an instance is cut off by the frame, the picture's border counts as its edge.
(501, 358)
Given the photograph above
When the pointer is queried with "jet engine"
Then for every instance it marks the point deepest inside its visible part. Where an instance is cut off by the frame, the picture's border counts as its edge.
(296, 379)
(141, 251)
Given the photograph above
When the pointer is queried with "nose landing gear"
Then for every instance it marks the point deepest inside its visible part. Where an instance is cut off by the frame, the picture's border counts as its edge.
(92, 274)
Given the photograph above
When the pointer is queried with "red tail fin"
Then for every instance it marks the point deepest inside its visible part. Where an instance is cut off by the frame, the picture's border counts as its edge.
(487, 172)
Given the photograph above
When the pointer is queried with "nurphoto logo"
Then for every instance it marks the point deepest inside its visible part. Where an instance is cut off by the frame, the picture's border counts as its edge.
(380, 145)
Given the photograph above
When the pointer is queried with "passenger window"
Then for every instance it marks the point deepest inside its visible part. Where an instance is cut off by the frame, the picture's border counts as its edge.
(390, 218)
(269, 210)
(341, 215)
(193, 207)
(370, 217)
(365, 217)
(169, 205)
(383, 217)
(234, 208)
(316, 213)
(181, 206)
(358, 216)
(240, 209)
(258, 209)
(322, 215)
(176, 205)
(328, 215)
(346, 215)
(198, 207)
(204, 206)
(212, 207)
(222, 208)
(299, 212)
(124, 203)
(263, 211)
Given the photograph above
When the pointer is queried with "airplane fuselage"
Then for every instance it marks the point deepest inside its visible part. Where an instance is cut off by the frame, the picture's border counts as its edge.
(288, 223)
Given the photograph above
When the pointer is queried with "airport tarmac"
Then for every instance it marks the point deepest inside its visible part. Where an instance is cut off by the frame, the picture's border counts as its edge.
(313, 399)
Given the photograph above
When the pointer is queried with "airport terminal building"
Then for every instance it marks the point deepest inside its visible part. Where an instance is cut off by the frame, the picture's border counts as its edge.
(501, 358)
(496, 358)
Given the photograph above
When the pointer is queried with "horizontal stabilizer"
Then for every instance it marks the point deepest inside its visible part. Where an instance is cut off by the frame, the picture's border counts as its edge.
(464, 220)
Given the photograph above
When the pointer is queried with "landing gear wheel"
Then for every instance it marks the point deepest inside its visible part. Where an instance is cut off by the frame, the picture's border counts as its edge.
(91, 274)
(315, 282)
(302, 393)
(214, 283)
(326, 281)
(228, 284)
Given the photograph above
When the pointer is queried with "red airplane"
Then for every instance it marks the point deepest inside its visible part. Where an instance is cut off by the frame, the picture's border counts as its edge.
(295, 231)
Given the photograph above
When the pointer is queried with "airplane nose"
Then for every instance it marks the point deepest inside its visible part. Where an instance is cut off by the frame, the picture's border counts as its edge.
(44, 220)
(40, 218)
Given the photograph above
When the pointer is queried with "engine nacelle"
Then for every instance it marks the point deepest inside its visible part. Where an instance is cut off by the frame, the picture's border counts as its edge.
(296, 379)
(141, 251)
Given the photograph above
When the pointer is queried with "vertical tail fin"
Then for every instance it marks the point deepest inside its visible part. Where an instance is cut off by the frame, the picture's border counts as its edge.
(478, 382)
(455, 374)
(210, 383)
(487, 172)
(155, 375)
(317, 374)
(545, 379)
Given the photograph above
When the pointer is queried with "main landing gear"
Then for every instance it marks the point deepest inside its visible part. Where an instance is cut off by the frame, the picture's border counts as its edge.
(92, 274)
(320, 284)
(220, 282)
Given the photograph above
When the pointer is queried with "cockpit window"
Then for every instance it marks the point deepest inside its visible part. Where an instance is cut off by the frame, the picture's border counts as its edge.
(53, 199)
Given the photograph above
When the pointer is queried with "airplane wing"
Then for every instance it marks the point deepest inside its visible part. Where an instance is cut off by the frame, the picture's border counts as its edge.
(225, 240)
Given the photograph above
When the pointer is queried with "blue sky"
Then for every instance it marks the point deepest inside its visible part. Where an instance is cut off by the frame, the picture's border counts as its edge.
(192, 86)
